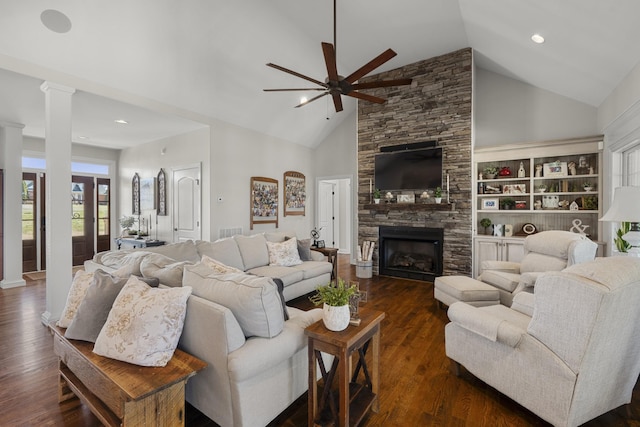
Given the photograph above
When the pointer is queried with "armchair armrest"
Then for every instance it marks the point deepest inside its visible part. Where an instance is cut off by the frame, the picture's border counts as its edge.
(523, 302)
(506, 266)
(485, 324)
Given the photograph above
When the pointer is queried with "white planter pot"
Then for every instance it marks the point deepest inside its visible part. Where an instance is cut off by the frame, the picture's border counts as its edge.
(376, 201)
(438, 199)
(336, 318)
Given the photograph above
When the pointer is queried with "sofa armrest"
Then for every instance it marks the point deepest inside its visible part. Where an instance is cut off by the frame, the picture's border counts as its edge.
(506, 266)
(484, 324)
(317, 256)
(210, 331)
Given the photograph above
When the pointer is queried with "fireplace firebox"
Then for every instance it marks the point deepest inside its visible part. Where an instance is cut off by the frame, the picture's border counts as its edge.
(410, 252)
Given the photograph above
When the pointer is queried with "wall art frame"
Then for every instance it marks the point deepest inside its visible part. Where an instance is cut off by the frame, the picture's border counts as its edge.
(295, 193)
(135, 194)
(161, 204)
(264, 201)
(147, 194)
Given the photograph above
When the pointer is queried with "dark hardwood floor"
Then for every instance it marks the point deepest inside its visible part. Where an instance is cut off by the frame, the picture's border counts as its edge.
(417, 386)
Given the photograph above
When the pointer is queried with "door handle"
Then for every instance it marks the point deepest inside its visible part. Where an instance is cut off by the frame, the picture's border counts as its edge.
(175, 229)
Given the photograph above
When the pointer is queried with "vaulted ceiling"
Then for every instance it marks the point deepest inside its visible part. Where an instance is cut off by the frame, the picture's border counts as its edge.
(171, 66)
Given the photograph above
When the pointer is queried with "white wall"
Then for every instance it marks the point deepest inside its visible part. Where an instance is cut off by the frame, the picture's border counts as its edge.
(509, 111)
(147, 159)
(237, 154)
(620, 100)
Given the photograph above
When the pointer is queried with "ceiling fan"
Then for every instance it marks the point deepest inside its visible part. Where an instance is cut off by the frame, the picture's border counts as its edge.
(337, 85)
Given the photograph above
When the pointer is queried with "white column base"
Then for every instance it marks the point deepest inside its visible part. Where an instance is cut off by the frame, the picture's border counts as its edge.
(8, 284)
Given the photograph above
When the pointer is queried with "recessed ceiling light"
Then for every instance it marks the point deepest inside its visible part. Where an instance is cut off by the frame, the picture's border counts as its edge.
(121, 122)
(56, 21)
(537, 38)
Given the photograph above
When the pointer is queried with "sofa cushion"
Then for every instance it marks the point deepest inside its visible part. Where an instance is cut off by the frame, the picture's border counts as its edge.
(284, 253)
(81, 282)
(224, 250)
(165, 269)
(93, 310)
(314, 268)
(181, 251)
(253, 250)
(144, 324)
(253, 300)
(501, 280)
(129, 258)
(288, 275)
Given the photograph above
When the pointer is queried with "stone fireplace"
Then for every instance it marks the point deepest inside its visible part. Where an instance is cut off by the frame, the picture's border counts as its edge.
(435, 107)
(411, 252)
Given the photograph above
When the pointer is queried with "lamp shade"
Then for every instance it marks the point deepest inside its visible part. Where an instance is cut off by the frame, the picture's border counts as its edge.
(625, 206)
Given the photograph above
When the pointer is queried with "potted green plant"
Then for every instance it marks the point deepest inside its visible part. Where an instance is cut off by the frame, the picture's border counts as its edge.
(507, 203)
(335, 300)
(587, 186)
(438, 194)
(126, 222)
(490, 172)
(485, 223)
(376, 195)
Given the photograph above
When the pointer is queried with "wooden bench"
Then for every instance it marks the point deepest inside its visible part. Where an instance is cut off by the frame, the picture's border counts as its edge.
(119, 393)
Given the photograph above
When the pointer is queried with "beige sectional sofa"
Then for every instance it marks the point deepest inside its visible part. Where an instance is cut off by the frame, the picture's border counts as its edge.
(247, 253)
(255, 348)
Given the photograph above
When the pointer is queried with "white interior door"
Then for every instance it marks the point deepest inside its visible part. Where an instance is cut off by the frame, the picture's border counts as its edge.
(186, 204)
(326, 192)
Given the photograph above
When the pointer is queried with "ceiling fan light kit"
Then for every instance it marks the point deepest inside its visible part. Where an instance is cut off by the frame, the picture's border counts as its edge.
(337, 85)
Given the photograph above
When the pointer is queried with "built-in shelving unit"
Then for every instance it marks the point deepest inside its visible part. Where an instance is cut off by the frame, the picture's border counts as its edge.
(552, 185)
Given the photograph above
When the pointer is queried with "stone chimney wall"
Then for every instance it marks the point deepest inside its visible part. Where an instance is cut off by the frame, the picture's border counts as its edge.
(436, 106)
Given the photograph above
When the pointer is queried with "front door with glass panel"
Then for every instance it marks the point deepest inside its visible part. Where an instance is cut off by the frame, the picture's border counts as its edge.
(29, 222)
(82, 204)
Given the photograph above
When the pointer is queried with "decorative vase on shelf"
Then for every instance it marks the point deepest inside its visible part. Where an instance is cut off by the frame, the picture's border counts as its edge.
(505, 172)
(521, 172)
(336, 318)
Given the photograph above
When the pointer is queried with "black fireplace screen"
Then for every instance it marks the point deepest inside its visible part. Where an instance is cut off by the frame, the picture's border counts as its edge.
(411, 252)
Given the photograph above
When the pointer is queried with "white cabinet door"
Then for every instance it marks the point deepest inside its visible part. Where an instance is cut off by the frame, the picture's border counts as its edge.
(496, 249)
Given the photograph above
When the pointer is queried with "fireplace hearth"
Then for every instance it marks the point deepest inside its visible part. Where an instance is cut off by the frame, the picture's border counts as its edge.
(411, 252)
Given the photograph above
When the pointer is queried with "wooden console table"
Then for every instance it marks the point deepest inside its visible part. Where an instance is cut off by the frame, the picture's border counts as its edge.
(133, 243)
(119, 393)
(354, 399)
(332, 257)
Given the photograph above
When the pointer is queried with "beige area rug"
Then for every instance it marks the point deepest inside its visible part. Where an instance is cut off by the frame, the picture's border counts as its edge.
(41, 275)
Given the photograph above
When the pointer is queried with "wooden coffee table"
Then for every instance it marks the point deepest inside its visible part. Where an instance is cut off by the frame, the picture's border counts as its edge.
(354, 399)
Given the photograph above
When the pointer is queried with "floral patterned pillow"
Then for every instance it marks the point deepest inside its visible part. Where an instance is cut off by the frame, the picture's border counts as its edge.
(284, 253)
(144, 324)
(217, 266)
(79, 286)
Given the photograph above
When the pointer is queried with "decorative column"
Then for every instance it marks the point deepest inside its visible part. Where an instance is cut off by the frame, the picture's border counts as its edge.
(11, 143)
(58, 197)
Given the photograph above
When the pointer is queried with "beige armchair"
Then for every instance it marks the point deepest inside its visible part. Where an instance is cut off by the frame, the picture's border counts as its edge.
(569, 352)
(551, 250)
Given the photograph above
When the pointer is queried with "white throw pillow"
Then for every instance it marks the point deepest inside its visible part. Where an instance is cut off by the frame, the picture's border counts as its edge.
(144, 324)
(79, 286)
(165, 269)
(218, 267)
(284, 253)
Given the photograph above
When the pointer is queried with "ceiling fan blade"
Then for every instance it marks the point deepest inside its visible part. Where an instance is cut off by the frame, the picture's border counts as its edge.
(302, 104)
(289, 90)
(337, 101)
(381, 83)
(366, 97)
(330, 61)
(371, 65)
(302, 76)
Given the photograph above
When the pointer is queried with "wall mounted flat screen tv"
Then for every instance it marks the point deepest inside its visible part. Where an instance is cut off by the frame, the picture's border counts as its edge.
(409, 169)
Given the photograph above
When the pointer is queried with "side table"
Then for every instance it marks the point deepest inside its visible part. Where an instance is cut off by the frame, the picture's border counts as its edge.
(354, 399)
(332, 257)
(133, 243)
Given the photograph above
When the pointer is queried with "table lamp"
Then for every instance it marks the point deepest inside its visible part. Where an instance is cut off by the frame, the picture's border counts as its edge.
(626, 208)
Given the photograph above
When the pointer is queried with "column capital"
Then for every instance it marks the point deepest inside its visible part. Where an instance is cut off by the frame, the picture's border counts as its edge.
(46, 86)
